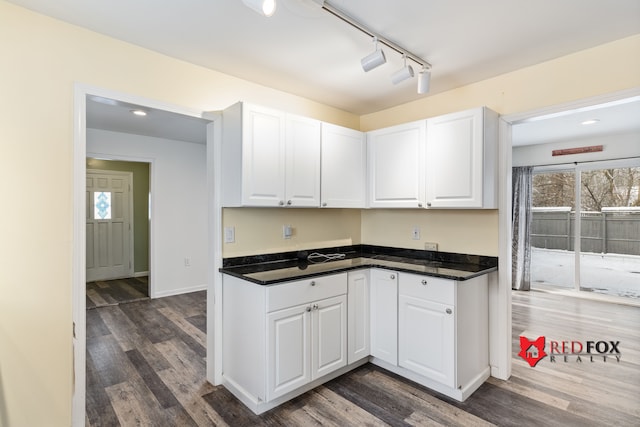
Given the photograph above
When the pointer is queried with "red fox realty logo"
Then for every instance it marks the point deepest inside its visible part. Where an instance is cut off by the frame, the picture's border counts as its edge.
(533, 350)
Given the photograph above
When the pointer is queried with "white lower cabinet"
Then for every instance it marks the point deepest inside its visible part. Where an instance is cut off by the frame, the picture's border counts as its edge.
(282, 340)
(279, 339)
(328, 336)
(358, 301)
(289, 358)
(305, 343)
(426, 342)
(443, 332)
(384, 315)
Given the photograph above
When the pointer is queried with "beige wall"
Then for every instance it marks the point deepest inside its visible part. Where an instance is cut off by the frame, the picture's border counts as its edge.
(462, 231)
(259, 230)
(41, 58)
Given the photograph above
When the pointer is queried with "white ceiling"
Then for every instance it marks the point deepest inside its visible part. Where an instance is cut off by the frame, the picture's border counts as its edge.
(117, 116)
(612, 118)
(306, 51)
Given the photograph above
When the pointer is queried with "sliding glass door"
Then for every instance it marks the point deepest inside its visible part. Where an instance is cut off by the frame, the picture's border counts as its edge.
(552, 243)
(600, 203)
(610, 228)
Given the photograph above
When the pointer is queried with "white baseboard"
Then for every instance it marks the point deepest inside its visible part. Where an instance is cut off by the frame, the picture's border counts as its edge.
(140, 273)
(179, 291)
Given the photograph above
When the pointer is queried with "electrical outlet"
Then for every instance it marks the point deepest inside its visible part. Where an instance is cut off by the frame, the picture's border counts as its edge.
(415, 233)
(287, 231)
(187, 262)
(229, 234)
(431, 246)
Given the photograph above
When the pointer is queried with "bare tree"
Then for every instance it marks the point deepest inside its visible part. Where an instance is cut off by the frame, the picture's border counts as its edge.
(554, 189)
(600, 188)
(610, 188)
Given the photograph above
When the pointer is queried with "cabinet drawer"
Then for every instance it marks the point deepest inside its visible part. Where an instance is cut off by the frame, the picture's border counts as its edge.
(428, 288)
(305, 291)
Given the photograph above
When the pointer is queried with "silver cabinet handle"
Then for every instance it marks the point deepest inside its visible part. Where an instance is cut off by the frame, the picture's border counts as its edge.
(429, 204)
(288, 202)
(424, 282)
(281, 203)
(313, 283)
(324, 204)
(393, 276)
(419, 205)
(315, 306)
(448, 310)
(308, 309)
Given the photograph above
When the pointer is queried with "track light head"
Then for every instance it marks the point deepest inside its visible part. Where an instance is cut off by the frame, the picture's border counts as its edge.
(424, 80)
(374, 59)
(404, 73)
(263, 7)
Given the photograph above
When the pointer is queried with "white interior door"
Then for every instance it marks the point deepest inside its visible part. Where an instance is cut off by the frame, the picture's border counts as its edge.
(109, 227)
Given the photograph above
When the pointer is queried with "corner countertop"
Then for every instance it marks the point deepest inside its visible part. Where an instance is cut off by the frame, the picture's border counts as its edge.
(278, 268)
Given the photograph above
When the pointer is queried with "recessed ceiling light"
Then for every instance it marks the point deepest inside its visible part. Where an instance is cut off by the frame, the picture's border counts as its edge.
(590, 121)
(139, 112)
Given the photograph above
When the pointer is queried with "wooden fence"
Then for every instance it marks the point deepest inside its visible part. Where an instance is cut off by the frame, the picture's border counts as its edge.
(612, 231)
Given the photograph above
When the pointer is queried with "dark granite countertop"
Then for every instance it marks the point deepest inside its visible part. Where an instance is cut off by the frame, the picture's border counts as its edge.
(277, 268)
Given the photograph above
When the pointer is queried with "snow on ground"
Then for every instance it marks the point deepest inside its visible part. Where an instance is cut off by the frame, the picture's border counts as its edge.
(610, 274)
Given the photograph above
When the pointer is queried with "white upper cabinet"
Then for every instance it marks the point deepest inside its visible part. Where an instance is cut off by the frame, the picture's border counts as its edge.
(302, 166)
(270, 158)
(462, 160)
(343, 170)
(396, 160)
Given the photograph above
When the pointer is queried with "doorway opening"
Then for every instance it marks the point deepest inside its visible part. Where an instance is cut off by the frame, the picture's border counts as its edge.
(599, 202)
(118, 221)
(171, 141)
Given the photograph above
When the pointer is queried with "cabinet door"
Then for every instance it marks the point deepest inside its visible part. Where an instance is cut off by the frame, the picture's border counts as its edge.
(328, 336)
(343, 167)
(263, 157)
(288, 358)
(384, 315)
(426, 339)
(302, 185)
(396, 166)
(455, 160)
(358, 317)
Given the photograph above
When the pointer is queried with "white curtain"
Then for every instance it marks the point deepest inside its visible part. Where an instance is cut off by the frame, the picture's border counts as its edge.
(521, 228)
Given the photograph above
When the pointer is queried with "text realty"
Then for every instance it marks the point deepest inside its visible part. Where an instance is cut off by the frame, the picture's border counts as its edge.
(599, 349)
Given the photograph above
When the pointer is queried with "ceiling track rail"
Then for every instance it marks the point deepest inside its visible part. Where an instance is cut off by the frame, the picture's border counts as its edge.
(359, 26)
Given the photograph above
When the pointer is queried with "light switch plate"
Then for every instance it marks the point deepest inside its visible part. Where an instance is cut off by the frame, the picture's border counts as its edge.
(287, 231)
(229, 234)
(415, 233)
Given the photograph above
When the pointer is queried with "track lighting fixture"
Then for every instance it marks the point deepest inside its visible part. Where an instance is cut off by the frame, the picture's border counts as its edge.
(377, 58)
(424, 80)
(371, 61)
(403, 73)
(374, 59)
(263, 7)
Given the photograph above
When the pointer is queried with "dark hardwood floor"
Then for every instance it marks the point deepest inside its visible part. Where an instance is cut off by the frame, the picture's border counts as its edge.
(113, 292)
(146, 366)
